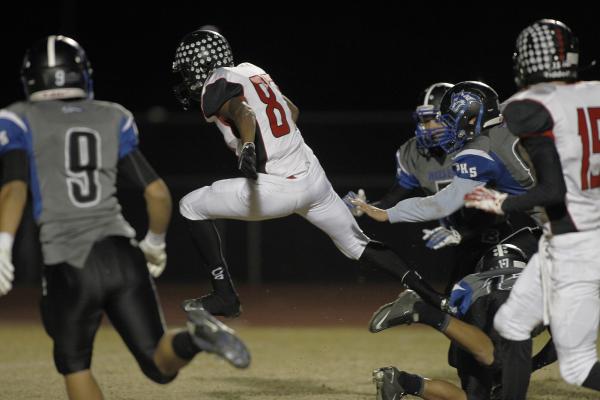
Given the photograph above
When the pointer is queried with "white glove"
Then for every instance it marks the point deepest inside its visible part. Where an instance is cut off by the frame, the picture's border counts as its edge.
(156, 256)
(486, 199)
(441, 237)
(351, 196)
(7, 270)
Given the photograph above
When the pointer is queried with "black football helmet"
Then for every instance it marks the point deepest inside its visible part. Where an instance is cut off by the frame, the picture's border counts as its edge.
(466, 110)
(56, 67)
(428, 109)
(545, 51)
(199, 53)
(502, 256)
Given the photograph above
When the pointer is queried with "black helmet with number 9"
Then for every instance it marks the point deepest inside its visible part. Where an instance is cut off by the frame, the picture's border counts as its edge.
(56, 67)
(545, 51)
(199, 53)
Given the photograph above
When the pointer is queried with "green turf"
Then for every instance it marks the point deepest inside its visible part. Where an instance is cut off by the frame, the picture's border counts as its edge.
(288, 363)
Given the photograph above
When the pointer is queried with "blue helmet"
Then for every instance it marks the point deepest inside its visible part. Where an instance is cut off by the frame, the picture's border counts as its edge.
(427, 110)
(466, 110)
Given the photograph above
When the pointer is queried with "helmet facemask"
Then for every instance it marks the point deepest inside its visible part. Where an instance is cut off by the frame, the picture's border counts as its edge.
(428, 129)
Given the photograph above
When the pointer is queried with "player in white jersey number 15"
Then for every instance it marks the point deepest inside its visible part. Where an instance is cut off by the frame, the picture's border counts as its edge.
(557, 119)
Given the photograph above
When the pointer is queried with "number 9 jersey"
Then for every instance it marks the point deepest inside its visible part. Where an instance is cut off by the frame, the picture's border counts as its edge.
(280, 148)
(74, 148)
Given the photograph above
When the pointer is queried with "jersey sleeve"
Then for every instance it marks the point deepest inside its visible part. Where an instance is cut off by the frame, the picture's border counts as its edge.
(475, 165)
(403, 176)
(128, 135)
(218, 93)
(12, 132)
(527, 118)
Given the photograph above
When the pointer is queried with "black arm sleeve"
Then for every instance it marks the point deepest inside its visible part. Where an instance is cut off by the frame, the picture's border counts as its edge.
(526, 117)
(15, 166)
(218, 93)
(393, 196)
(550, 189)
(136, 169)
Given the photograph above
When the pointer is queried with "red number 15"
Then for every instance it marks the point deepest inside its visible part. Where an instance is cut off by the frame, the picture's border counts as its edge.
(589, 181)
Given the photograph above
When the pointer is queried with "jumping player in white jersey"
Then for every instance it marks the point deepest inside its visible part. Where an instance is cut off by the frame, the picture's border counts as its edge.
(282, 175)
(557, 119)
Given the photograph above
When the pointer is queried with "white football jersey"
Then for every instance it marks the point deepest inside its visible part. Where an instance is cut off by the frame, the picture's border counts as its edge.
(575, 110)
(280, 148)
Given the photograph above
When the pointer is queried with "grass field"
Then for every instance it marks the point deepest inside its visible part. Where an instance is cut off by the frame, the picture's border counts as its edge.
(288, 363)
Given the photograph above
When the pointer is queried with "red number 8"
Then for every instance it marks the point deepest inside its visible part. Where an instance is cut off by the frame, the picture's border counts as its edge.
(261, 84)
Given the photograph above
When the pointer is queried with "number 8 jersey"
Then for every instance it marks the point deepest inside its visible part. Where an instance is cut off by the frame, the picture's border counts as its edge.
(280, 148)
(73, 147)
(570, 115)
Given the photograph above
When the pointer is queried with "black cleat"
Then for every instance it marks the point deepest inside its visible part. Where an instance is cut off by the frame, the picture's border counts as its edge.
(213, 336)
(399, 312)
(386, 382)
(214, 304)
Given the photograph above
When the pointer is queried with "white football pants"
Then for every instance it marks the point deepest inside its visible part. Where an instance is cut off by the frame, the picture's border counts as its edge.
(309, 195)
(572, 264)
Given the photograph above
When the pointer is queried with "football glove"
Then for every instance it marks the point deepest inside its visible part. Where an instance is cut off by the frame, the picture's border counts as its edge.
(441, 237)
(357, 212)
(486, 199)
(247, 161)
(156, 256)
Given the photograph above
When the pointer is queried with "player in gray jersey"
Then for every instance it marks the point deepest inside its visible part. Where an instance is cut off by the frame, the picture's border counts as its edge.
(76, 146)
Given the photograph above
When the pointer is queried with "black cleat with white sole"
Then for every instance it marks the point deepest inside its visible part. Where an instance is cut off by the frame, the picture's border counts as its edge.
(213, 336)
(399, 312)
(386, 382)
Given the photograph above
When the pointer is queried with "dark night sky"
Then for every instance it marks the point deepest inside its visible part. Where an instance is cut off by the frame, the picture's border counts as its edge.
(374, 59)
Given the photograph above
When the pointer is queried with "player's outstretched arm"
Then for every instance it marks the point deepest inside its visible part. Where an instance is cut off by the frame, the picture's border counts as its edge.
(376, 213)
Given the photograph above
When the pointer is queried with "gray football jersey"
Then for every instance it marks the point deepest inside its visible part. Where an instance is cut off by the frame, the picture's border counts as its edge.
(496, 158)
(74, 148)
(416, 169)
